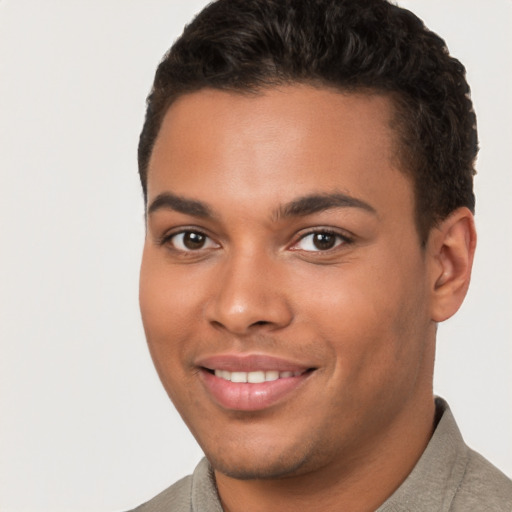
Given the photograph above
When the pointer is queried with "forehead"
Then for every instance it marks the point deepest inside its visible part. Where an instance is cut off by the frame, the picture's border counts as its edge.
(287, 141)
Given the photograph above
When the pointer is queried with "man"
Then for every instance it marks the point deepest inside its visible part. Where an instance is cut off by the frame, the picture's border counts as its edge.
(307, 169)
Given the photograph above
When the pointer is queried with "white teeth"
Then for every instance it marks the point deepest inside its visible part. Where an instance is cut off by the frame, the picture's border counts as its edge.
(256, 377)
(238, 377)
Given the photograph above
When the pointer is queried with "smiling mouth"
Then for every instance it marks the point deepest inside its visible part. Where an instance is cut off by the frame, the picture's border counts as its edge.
(256, 377)
(253, 389)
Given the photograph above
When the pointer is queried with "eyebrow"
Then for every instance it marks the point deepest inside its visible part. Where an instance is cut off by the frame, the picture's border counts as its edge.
(315, 203)
(170, 201)
(301, 207)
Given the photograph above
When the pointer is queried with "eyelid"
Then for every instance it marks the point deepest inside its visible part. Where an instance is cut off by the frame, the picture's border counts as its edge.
(167, 238)
(343, 239)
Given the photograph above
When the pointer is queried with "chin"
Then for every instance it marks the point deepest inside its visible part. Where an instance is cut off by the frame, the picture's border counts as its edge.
(245, 465)
(250, 471)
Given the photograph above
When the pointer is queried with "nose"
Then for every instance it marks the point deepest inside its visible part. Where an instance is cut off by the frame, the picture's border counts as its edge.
(250, 294)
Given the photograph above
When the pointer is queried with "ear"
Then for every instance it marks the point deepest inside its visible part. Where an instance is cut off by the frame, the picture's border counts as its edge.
(451, 248)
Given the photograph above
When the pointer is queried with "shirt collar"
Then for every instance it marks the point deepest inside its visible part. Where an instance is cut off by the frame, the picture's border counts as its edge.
(433, 482)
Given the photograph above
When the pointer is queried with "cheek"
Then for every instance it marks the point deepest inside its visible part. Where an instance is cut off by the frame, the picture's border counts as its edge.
(165, 303)
(167, 297)
(372, 316)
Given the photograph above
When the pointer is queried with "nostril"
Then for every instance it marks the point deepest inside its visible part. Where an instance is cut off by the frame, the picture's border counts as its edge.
(217, 324)
(242, 317)
(260, 322)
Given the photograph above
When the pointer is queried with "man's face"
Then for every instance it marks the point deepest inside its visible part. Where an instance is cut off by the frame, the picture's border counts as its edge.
(281, 249)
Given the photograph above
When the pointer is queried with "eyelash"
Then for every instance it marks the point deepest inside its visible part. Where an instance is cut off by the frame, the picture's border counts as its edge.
(340, 240)
(168, 238)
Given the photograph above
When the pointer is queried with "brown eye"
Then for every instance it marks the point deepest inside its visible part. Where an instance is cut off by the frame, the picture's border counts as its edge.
(324, 241)
(191, 241)
(320, 241)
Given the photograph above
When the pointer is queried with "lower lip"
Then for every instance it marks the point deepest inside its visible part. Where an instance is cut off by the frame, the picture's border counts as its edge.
(247, 396)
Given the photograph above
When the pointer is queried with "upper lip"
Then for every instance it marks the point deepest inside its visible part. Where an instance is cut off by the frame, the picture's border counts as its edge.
(250, 363)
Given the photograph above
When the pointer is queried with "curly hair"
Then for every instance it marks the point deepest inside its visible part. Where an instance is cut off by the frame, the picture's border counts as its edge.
(351, 45)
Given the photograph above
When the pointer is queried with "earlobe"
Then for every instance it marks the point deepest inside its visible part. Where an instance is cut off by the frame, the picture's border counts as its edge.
(451, 248)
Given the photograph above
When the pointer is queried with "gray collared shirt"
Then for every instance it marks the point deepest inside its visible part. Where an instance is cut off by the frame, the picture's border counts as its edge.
(449, 477)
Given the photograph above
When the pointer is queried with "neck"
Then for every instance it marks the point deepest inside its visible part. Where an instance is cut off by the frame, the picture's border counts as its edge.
(360, 482)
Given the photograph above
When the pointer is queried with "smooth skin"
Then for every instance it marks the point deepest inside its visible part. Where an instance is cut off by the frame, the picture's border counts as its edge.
(344, 288)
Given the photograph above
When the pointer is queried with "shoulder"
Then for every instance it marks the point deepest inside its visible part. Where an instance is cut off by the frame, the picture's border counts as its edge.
(177, 498)
(483, 487)
(196, 492)
(450, 477)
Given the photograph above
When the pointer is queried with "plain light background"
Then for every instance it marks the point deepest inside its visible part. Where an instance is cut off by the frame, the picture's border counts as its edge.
(84, 422)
